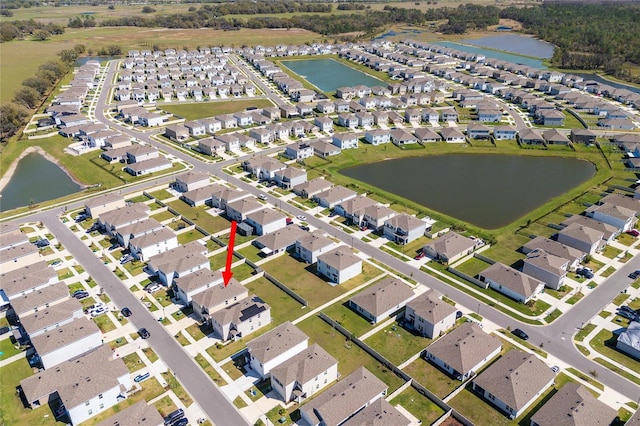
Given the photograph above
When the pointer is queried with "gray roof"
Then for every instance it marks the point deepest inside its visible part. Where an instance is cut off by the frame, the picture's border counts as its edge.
(203, 193)
(181, 258)
(379, 298)
(202, 278)
(26, 278)
(353, 205)
(555, 248)
(574, 405)
(464, 347)
(37, 299)
(140, 227)
(192, 177)
(111, 197)
(314, 241)
(154, 237)
(430, 307)
(152, 163)
(515, 378)
(64, 335)
(118, 217)
(266, 216)
(281, 238)
(304, 366)
(344, 398)
(406, 222)
(245, 205)
(547, 261)
(613, 210)
(50, 316)
(378, 413)
(631, 336)
(218, 293)
(276, 342)
(139, 414)
(241, 311)
(11, 238)
(17, 251)
(607, 229)
(339, 258)
(623, 201)
(78, 379)
(519, 282)
(451, 244)
(336, 194)
(314, 186)
(582, 233)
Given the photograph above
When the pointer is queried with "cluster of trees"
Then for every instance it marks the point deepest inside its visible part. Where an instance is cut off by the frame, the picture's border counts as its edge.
(82, 21)
(34, 91)
(587, 36)
(20, 29)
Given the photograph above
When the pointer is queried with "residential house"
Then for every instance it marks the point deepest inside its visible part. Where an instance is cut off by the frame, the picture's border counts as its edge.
(275, 347)
(266, 221)
(312, 245)
(262, 135)
(345, 140)
(230, 140)
(584, 136)
(239, 210)
(478, 131)
(616, 215)
(140, 414)
(573, 255)
(178, 262)
(190, 181)
(430, 115)
(505, 133)
(555, 137)
(211, 146)
(463, 351)
(195, 128)
(305, 374)
(126, 233)
(325, 124)
(449, 115)
(511, 282)
(514, 382)
(324, 149)
(146, 167)
(351, 208)
(548, 268)
(86, 386)
(585, 239)
(426, 134)
(403, 229)
(550, 117)
(42, 298)
(573, 405)
(312, 187)
(299, 151)
(400, 137)
(530, 137)
(452, 135)
(290, 177)
(96, 206)
(629, 340)
(29, 278)
(377, 302)
(344, 399)
(186, 287)
(379, 411)
(279, 241)
(622, 201)
(145, 246)
(374, 216)
(112, 220)
(450, 247)
(68, 341)
(610, 231)
(240, 319)
(200, 196)
(333, 196)
(177, 133)
(429, 315)
(339, 265)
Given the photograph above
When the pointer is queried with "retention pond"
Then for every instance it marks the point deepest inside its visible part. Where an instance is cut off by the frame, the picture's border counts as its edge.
(489, 191)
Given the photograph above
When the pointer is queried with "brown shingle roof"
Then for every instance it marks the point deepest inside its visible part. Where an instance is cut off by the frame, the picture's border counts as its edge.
(340, 258)
(379, 413)
(139, 414)
(381, 297)
(276, 342)
(304, 366)
(431, 307)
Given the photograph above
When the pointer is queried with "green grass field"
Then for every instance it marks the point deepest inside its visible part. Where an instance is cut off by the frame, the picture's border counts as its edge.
(197, 110)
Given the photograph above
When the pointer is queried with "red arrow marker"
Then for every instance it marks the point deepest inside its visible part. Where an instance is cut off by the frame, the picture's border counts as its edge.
(227, 274)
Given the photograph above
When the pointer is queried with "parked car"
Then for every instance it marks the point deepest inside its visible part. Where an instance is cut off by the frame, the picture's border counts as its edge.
(459, 314)
(126, 259)
(181, 422)
(97, 312)
(81, 295)
(555, 369)
(113, 246)
(289, 221)
(305, 228)
(126, 312)
(155, 287)
(420, 255)
(635, 274)
(174, 416)
(262, 197)
(585, 272)
(42, 242)
(141, 377)
(628, 315)
(4, 330)
(633, 232)
(80, 217)
(144, 333)
(521, 334)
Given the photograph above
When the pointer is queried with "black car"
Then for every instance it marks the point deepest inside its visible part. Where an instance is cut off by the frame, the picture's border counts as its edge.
(635, 274)
(43, 242)
(144, 333)
(458, 314)
(126, 312)
(628, 315)
(4, 330)
(519, 333)
(81, 295)
(174, 416)
(181, 422)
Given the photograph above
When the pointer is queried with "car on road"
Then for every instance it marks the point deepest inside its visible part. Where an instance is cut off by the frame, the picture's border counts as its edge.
(301, 217)
(126, 312)
(555, 369)
(262, 197)
(144, 333)
(635, 274)
(519, 333)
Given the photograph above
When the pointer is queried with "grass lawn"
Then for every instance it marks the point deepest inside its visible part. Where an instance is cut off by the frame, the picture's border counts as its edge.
(150, 354)
(431, 377)
(397, 344)
(348, 354)
(195, 331)
(242, 272)
(197, 110)
(165, 406)
(584, 332)
(473, 266)
(477, 409)
(283, 307)
(188, 236)
(251, 252)
(239, 402)
(412, 248)
(104, 323)
(418, 405)
(162, 216)
(348, 318)
(211, 372)
(302, 279)
(605, 343)
(7, 349)
(177, 388)
(133, 362)
(233, 370)
(199, 216)
(181, 339)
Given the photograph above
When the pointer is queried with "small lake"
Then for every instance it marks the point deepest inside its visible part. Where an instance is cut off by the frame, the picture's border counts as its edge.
(599, 79)
(509, 57)
(515, 43)
(329, 74)
(489, 191)
(37, 179)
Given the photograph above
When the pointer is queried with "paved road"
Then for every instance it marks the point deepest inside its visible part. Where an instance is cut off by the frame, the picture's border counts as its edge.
(207, 395)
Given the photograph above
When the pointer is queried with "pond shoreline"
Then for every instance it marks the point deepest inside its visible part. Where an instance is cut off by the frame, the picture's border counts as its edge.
(4, 180)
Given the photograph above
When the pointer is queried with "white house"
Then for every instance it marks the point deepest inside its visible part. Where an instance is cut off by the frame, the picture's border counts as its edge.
(511, 282)
(621, 217)
(276, 346)
(585, 239)
(240, 319)
(629, 340)
(266, 220)
(429, 315)
(377, 302)
(550, 269)
(178, 262)
(189, 285)
(339, 265)
(68, 341)
(403, 229)
(312, 245)
(152, 243)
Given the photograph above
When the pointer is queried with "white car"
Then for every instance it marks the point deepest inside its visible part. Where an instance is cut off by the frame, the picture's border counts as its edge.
(262, 197)
(301, 217)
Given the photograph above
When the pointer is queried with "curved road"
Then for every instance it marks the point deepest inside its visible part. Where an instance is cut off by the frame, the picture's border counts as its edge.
(556, 337)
